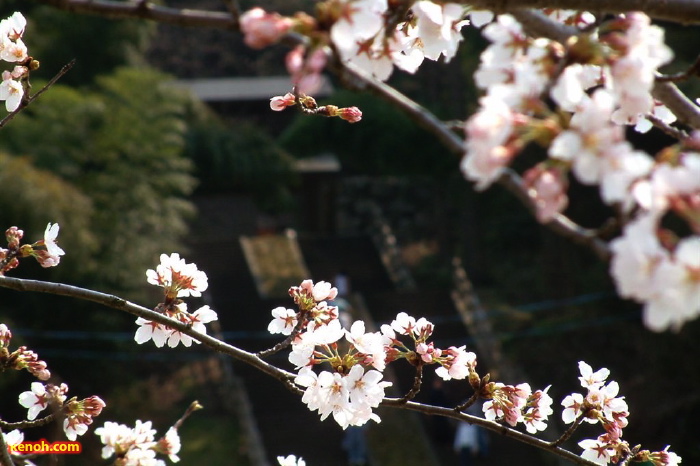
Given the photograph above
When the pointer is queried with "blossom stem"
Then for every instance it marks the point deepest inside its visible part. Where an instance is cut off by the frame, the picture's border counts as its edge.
(31, 99)
(472, 399)
(693, 70)
(194, 406)
(287, 341)
(417, 381)
(566, 435)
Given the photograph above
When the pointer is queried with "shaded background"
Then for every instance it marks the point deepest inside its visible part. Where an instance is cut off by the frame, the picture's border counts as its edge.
(131, 167)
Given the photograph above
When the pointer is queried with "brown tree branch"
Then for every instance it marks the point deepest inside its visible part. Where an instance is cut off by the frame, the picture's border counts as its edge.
(285, 377)
(140, 311)
(147, 10)
(681, 106)
(680, 11)
(560, 224)
(490, 425)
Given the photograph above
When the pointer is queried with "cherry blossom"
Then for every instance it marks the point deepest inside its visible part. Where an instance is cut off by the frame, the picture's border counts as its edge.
(456, 363)
(306, 71)
(438, 27)
(279, 103)
(15, 437)
(35, 400)
(349, 399)
(589, 135)
(290, 460)
(5, 336)
(196, 321)
(134, 445)
(547, 187)
(370, 344)
(633, 72)
(261, 29)
(170, 445)
(11, 91)
(590, 379)
(284, 321)
(149, 330)
(179, 278)
(12, 28)
(596, 451)
(488, 131)
(537, 410)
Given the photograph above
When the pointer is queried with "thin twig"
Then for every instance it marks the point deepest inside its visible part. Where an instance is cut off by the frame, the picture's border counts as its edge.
(417, 381)
(31, 99)
(194, 406)
(666, 128)
(470, 401)
(285, 343)
(566, 435)
(693, 70)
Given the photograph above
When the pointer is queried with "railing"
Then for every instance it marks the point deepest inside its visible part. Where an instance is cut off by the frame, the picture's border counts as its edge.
(385, 241)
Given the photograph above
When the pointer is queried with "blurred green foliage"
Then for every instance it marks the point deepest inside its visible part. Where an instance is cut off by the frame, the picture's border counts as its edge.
(119, 144)
(243, 159)
(98, 45)
(384, 142)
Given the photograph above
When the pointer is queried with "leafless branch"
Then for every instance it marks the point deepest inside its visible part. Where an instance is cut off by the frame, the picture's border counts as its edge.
(680, 11)
(31, 99)
(140, 311)
(249, 358)
(490, 425)
(147, 10)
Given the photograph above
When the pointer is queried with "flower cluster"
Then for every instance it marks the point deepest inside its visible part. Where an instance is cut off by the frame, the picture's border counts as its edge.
(77, 415)
(357, 357)
(178, 279)
(601, 404)
(516, 404)
(21, 358)
(137, 446)
(46, 251)
(13, 50)
(606, 82)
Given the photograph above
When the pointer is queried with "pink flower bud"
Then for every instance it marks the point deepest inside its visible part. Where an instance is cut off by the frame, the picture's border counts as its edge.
(279, 103)
(93, 405)
(13, 236)
(350, 114)
(547, 187)
(261, 29)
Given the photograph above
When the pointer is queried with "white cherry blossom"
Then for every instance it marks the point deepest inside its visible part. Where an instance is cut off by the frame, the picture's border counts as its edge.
(284, 321)
(438, 26)
(35, 400)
